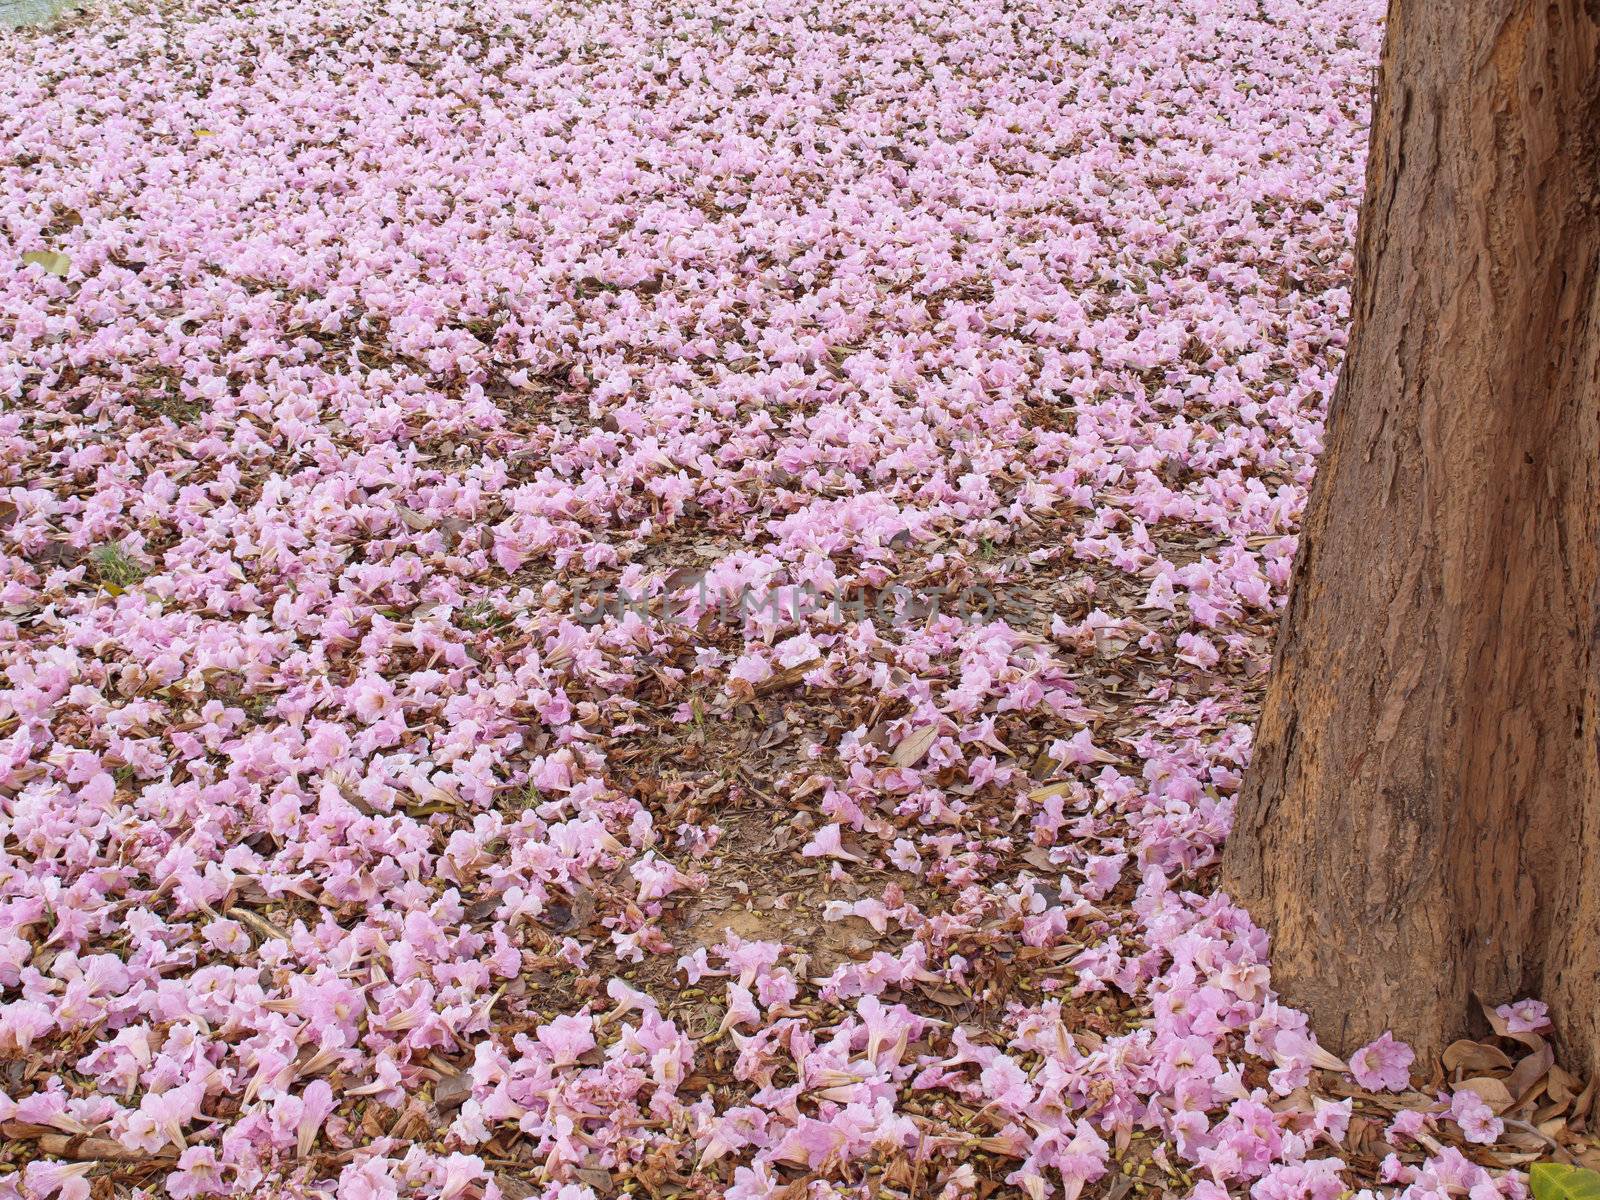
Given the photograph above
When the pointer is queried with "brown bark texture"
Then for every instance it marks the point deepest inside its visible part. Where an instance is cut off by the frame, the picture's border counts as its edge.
(1421, 821)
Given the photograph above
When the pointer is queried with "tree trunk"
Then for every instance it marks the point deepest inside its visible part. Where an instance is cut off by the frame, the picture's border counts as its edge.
(1421, 822)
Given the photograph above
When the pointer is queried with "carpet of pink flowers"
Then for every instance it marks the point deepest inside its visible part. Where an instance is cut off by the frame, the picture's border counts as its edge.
(477, 484)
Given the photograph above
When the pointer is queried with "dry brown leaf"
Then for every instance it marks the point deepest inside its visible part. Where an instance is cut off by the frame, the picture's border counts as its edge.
(1580, 1106)
(1039, 857)
(910, 751)
(1524, 1137)
(1297, 1101)
(603, 1182)
(513, 1188)
(783, 679)
(1476, 1057)
(451, 1092)
(1562, 1087)
(1507, 1159)
(1494, 1092)
(1527, 1077)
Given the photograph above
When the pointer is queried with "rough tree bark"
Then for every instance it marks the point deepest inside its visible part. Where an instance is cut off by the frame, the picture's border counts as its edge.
(1421, 822)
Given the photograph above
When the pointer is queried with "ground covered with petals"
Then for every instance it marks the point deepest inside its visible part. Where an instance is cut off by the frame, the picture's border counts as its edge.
(619, 598)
